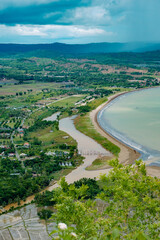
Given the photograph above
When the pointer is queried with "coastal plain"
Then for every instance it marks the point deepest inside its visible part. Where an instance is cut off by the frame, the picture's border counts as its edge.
(49, 129)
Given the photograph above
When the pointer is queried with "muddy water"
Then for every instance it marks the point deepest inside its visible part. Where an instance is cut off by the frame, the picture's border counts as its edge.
(87, 147)
(53, 117)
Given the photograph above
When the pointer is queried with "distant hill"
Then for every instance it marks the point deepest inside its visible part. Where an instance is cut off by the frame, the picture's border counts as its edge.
(63, 49)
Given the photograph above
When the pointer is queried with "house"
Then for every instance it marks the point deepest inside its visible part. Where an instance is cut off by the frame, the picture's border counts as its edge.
(14, 174)
(26, 145)
(2, 154)
(11, 154)
(50, 153)
(23, 155)
(20, 135)
(21, 131)
(2, 146)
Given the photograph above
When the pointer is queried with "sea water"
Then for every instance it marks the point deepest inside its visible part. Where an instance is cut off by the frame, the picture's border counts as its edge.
(134, 118)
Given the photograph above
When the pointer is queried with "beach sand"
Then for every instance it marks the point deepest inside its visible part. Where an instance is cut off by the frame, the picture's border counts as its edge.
(127, 155)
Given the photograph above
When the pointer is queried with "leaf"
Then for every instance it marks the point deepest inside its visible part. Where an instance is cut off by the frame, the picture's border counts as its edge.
(53, 232)
(115, 233)
(141, 236)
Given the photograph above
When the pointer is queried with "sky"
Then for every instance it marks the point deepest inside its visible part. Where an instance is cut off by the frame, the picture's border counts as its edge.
(79, 21)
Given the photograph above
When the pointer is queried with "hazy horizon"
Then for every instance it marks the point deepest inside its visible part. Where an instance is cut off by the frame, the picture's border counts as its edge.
(140, 42)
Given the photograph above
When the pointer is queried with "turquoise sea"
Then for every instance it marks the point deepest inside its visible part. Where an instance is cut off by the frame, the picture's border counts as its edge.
(134, 118)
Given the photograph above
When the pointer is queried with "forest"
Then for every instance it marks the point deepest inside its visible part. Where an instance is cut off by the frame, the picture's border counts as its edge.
(118, 206)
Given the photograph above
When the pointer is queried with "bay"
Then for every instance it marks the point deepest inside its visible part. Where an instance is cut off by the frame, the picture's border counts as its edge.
(134, 118)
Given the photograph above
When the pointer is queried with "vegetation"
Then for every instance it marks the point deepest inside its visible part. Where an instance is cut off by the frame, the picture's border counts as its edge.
(45, 214)
(17, 184)
(44, 199)
(84, 124)
(99, 163)
(126, 206)
(35, 153)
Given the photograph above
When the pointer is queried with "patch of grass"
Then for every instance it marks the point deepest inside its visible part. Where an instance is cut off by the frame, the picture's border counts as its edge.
(36, 87)
(4, 141)
(99, 163)
(10, 123)
(18, 140)
(59, 174)
(49, 138)
(94, 104)
(68, 101)
(84, 125)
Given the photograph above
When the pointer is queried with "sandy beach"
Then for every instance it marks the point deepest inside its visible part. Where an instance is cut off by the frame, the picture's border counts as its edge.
(91, 150)
(127, 155)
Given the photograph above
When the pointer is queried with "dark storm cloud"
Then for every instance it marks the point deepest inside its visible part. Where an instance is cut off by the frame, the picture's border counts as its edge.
(79, 21)
(44, 13)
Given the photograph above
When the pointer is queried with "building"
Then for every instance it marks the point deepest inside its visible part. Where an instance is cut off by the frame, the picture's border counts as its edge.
(26, 145)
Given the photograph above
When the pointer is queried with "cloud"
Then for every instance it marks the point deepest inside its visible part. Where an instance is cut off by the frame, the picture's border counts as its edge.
(52, 31)
(37, 12)
(88, 12)
(92, 20)
(20, 3)
(95, 15)
(55, 20)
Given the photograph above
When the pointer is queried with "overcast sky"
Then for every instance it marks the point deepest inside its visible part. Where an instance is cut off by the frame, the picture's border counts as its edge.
(79, 21)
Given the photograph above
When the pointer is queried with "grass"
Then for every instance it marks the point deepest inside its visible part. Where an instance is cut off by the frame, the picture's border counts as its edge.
(31, 119)
(40, 113)
(47, 137)
(36, 87)
(59, 174)
(4, 141)
(18, 140)
(68, 101)
(99, 163)
(10, 123)
(84, 125)
(94, 104)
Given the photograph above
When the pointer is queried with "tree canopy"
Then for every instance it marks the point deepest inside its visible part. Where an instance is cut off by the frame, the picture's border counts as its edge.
(127, 207)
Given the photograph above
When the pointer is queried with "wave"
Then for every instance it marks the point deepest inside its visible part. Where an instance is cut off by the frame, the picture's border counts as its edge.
(146, 153)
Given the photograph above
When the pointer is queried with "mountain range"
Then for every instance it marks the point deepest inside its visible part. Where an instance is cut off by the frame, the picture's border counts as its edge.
(63, 49)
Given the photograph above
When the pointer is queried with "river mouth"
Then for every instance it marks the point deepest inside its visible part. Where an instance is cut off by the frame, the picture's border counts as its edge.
(134, 119)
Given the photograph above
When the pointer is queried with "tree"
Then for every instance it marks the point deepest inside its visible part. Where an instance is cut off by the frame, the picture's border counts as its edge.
(127, 206)
(45, 214)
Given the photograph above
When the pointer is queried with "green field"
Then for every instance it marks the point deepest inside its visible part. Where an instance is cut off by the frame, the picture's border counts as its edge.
(68, 101)
(11, 89)
(47, 137)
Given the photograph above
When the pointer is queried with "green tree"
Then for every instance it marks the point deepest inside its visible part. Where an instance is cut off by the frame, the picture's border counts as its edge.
(127, 207)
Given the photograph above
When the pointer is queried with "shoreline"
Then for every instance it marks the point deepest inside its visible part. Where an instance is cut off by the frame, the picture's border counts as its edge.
(127, 154)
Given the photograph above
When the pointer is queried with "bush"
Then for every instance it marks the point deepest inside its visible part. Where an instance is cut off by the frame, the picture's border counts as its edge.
(93, 187)
(45, 214)
(44, 199)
